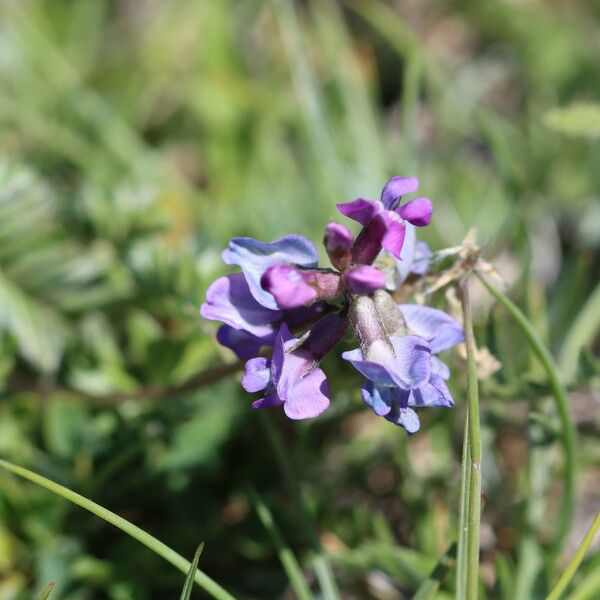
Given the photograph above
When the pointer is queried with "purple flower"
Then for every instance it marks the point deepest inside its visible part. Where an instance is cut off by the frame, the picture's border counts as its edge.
(403, 361)
(384, 220)
(248, 324)
(407, 375)
(255, 257)
(230, 300)
(292, 377)
(282, 289)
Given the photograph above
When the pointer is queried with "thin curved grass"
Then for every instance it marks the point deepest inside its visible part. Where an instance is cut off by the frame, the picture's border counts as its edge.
(204, 581)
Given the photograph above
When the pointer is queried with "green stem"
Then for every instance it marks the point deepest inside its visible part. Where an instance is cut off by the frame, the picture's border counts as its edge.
(322, 566)
(574, 563)
(474, 509)
(461, 555)
(286, 556)
(568, 434)
(204, 581)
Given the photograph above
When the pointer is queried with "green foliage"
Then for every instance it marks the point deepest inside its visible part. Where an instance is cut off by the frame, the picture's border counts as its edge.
(137, 138)
(578, 119)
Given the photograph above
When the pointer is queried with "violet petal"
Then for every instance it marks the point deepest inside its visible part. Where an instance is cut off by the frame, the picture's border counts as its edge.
(256, 257)
(360, 210)
(417, 211)
(433, 324)
(287, 285)
(397, 187)
(257, 375)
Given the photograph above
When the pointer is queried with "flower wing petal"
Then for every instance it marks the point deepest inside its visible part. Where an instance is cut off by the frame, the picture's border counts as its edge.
(379, 398)
(244, 344)
(255, 257)
(397, 187)
(308, 397)
(360, 210)
(412, 365)
(257, 375)
(417, 211)
(228, 299)
(433, 324)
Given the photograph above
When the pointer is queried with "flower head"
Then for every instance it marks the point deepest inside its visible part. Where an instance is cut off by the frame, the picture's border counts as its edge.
(282, 299)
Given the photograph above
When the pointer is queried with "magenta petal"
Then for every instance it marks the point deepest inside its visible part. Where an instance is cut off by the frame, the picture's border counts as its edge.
(417, 211)
(364, 279)
(393, 237)
(397, 187)
(287, 285)
(268, 402)
(337, 238)
(360, 210)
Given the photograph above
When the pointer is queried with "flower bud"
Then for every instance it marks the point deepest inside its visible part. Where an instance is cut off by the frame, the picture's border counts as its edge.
(364, 279)
(338, 242)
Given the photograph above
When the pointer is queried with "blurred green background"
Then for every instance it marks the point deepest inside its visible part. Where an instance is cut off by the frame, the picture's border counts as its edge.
(137, 137)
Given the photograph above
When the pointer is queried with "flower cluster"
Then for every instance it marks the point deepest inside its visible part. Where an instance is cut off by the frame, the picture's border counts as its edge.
(283, 300)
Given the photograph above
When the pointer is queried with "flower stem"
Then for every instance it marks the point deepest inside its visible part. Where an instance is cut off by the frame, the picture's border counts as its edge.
(474, 447)
(568, 434)
(203, 580)
(461, 555)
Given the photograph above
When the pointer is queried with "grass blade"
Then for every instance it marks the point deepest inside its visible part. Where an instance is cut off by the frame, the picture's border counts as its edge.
(461, 560)
(46, 591)
(286, 556)
(189, 580)
(203, 580)
(474, 506)
(574, 563)
(568, 434)
(429, 588)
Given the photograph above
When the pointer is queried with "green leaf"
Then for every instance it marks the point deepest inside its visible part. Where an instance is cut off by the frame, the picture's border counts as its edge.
(286, 556)
(574, 563)
(189, 580)
(46, 592)
(579, 119)
(429, 588)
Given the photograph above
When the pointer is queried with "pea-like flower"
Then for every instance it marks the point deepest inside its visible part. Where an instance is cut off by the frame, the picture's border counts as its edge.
(292, 378)
(284, 300)
(384, 220)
